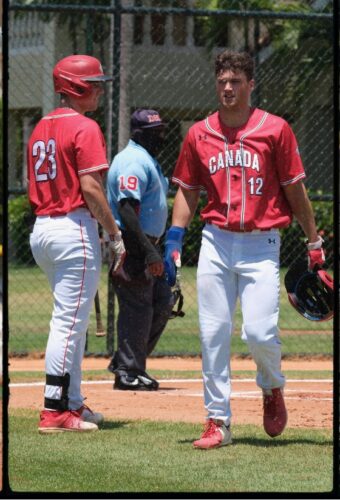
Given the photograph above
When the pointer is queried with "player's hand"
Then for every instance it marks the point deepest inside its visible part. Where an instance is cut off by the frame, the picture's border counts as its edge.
(173, 250)
(117, 248)
(315, 255)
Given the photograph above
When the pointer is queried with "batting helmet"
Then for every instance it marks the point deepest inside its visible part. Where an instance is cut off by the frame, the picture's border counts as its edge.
(310, 292)
(73, 75)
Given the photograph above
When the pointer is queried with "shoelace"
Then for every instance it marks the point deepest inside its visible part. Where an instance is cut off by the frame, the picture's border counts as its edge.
(75, 413)
(210, 428)
(85, 407)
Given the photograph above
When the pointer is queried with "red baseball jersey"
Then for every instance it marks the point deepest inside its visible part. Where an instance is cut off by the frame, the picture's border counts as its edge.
(63, 146)
(242, 170)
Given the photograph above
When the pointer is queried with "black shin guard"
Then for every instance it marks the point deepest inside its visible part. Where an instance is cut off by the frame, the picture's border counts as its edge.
(59, 381)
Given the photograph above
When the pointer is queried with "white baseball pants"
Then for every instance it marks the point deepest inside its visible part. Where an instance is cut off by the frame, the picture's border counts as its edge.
(231, 266)
(67, 249)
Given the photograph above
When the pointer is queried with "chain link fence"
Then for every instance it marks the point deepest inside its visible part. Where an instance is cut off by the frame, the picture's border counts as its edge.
(161, 56)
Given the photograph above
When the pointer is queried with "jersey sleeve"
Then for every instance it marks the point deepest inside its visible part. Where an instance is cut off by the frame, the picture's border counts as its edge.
(287, 157)
(132, 181)
(187, 169)
(90, 148)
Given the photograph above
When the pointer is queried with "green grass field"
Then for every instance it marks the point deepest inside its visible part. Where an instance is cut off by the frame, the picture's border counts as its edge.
(144, 457)
(156, 457)
(30, 305)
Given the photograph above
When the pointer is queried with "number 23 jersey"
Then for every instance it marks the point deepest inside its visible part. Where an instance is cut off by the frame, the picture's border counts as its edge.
(63, 146)
(242, 170)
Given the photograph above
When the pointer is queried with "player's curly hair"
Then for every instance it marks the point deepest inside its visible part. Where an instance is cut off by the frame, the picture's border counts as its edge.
(235, 61)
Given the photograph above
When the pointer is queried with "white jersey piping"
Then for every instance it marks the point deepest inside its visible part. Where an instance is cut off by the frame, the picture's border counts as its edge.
(93, 169)
(187, 186)
(292, 181)
(64, 115)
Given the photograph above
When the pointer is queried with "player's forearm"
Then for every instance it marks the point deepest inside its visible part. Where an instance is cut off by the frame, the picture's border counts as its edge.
(185, 205)
(97, 203)
(132, 226)
(298, 200)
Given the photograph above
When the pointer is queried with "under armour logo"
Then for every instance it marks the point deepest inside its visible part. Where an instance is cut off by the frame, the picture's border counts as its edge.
(202, 137)
(271, 241)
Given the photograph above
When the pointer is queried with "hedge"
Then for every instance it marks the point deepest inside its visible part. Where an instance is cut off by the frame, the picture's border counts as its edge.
(21, 220)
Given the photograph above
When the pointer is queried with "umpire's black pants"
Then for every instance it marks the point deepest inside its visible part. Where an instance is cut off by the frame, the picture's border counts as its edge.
(145, 305)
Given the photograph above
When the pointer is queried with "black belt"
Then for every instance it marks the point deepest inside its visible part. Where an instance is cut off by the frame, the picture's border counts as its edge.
(258, 230)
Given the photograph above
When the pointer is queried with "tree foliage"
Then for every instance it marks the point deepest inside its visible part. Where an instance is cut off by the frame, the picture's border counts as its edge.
(281, 32)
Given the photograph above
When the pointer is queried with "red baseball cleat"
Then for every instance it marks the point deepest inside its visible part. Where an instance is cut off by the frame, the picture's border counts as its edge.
(215, 434)
(274, 412)
(63, 421)
(88, 415)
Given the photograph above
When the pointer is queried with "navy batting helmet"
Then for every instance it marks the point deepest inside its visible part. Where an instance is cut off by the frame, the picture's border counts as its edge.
(74, 74)
(310, 292)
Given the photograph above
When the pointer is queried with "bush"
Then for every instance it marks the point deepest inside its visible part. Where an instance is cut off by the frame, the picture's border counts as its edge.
(192, 239)
(20, 222)
(293, 239)
(21, 219)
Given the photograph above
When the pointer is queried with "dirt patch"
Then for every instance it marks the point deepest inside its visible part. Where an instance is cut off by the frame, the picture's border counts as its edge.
(309, 402)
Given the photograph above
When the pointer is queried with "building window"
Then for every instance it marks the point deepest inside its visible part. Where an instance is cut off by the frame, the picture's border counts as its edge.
(138, 25)
(138, 29)
(179, 33)
(158, 29)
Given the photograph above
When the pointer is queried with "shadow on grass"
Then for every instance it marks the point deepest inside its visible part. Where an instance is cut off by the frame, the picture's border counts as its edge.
(109, 425)
(272, 443)
(266, 443)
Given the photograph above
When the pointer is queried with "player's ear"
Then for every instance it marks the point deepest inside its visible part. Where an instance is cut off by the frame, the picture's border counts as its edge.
(251, 85)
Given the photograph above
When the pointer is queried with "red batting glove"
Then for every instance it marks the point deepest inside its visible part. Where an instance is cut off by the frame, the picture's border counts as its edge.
(316, 255)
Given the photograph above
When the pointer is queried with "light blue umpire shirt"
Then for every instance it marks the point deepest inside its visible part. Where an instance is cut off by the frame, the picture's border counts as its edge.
(134, 173)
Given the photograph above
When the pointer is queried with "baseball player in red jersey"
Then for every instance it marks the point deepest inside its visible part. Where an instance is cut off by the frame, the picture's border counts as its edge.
(248, 162)
(66, 158)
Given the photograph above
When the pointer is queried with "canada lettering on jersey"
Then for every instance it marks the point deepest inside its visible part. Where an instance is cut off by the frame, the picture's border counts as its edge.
(234, 158)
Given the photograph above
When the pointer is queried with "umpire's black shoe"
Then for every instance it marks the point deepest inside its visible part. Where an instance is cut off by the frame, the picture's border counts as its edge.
(147, 380)
(130, 383)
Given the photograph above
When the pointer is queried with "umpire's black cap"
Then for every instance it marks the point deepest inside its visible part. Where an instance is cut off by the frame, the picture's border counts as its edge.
(145, 118)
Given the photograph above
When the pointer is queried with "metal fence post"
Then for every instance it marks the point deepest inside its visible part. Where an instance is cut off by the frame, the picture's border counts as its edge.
(114, 149)
(110, 343)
